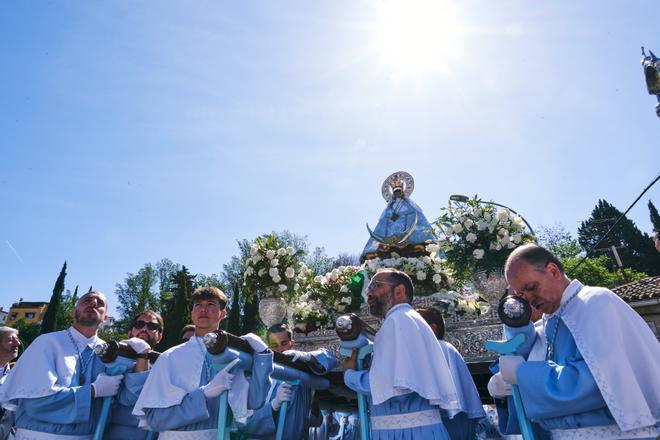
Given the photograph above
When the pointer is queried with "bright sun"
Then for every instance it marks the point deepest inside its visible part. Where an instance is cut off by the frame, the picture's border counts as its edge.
(415, 37)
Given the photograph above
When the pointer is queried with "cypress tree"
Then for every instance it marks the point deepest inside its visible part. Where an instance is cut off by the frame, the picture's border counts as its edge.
(49, 322)
(655, 217)
(177, 314)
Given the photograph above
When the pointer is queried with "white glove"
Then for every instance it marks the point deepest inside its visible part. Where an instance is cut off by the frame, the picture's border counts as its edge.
(221, 382)
(299, 355)
(138, 345)
(497, 387)
(508, 366)
(255, 342)
(106, 386)
(282, 395)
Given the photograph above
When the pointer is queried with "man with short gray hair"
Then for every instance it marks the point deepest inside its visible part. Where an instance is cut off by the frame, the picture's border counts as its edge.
(592, 370)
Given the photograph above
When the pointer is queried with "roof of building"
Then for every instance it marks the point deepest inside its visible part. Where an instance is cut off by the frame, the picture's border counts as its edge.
(640, 290)
(29, 304)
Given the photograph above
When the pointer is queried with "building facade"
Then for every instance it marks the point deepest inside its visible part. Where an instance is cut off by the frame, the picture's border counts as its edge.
(30, 311)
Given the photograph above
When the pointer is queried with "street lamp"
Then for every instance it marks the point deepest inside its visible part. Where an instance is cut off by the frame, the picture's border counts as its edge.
(463, 199)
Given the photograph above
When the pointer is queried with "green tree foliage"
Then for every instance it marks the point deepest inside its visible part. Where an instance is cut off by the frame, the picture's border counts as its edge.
(232, 278)
(634, 247)
(655, 217)
(559, 241)
(346, 259)
(598, 272)
(136, 295)
(65, 314)
(49, 322)
(165, 270)
(27, 332)
(319, 262)
(176, 312)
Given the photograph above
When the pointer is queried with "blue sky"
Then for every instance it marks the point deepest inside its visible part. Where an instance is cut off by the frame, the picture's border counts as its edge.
(134, 131)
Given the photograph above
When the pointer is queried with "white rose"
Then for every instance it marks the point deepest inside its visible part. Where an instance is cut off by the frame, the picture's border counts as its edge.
(290, 250)
(503, 215)
(281, 251)
(270, 254)
(261, 272)
(254, 248)
(468, 223)
(274, 262)
(457, 228)
(478, 254)
(437, 278)
(256, 258)
(421, 275)
(504, 240)
(471, 237)
(273, 271)
(276, 279)
(282, 287)
(289, 272)
(249, 271)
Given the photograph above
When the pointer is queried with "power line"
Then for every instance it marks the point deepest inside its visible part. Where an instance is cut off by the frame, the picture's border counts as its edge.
(657, 177)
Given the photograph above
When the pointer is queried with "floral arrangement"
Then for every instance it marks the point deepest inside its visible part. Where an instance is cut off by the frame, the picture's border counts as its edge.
(477, 236)
(308, 313)
(326, 296)
(273, 269)
(428, 273)
(463, 302)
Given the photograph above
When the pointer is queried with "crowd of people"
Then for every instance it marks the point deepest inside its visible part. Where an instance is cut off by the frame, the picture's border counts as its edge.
(589, 369)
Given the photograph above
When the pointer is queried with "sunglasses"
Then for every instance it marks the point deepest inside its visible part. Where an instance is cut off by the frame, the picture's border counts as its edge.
(150, 325)
(373, 285)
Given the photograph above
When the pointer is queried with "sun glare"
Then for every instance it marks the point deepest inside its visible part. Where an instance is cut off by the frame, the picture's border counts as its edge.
(415, 37)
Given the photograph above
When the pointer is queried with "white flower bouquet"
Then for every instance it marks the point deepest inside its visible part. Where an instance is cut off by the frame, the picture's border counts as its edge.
(478, 236)
(272, 269)
(428, 273)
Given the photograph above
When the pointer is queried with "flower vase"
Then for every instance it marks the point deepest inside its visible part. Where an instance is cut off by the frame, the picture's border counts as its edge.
(272, 310)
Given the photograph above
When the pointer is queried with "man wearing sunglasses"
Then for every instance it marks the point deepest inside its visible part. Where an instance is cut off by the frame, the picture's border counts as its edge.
(409, 381)
(146, 332)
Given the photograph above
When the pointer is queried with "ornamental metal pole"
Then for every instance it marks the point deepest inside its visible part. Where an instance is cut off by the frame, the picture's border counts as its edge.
(107, 402)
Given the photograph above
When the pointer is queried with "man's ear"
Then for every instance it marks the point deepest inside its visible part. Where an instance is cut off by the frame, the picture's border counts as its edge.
(400, 293)
(554, 270)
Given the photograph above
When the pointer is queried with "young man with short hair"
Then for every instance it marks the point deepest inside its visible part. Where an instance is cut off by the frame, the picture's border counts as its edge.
(180, 396)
